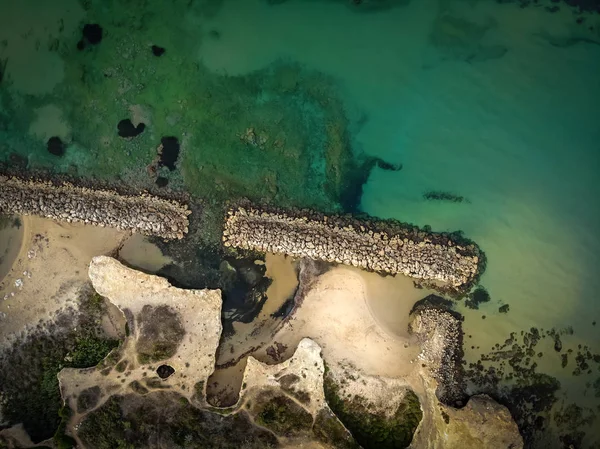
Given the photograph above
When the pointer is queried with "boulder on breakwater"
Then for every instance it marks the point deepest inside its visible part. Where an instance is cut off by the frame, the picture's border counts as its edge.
(144, 213)
(379, 245)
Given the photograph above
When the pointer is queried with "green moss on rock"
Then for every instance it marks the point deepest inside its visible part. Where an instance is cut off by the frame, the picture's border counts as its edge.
(329, 430)
(374, 430)
(282, 415)
(160, 333)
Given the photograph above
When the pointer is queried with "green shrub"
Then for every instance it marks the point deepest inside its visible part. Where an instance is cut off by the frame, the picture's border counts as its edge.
(374, 430)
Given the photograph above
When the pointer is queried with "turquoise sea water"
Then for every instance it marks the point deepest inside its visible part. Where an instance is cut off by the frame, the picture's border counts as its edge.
(495, 102)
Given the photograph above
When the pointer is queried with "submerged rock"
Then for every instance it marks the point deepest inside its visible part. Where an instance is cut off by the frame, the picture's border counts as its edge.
(168, 152)
(92, 34)
(126, 128)
(443, 196)
(56, 146)
(161, 181)
(158, 51)
(479, 296)
(388, 166)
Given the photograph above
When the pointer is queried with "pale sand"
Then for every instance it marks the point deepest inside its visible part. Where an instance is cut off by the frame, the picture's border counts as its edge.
(335, 313)
(49, 270)
(359, 319)
(390, 300)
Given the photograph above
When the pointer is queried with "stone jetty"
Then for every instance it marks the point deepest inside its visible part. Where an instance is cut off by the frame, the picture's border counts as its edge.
(379, 245)
(439, 332)
(144, 213)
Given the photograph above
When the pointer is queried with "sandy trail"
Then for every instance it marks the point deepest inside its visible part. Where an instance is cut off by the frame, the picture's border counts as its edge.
(50, 268)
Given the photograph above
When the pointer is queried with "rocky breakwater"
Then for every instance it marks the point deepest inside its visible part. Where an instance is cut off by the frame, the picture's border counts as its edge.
(378, 245)
(146, 214)
(439, 332)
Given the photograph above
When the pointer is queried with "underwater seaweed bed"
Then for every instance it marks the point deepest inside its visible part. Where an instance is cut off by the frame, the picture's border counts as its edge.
(279, 134)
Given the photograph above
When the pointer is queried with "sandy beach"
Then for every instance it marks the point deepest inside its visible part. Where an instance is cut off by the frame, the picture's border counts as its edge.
(359, 319)
(336, 313)
(48, 270)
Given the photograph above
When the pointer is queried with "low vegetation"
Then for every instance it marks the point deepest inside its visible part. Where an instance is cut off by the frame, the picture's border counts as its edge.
(282, 415)
(163, 419)
(329, 429)
(373, 429)
(29, 368)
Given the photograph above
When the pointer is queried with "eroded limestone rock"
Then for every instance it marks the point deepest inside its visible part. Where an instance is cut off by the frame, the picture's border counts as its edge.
(439, 332)
(180, 328)
(290, 401)
(482, 423)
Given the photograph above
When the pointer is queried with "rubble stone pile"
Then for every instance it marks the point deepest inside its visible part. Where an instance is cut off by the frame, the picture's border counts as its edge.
(377, 245)
(146, 214)
(440, 334)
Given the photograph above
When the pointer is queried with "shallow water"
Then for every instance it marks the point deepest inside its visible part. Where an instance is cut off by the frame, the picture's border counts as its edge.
(489, 101)
(517, 135)
(139, 253)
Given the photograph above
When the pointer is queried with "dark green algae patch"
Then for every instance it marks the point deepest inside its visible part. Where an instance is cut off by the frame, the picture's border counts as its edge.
(279, 134)
(374, 430)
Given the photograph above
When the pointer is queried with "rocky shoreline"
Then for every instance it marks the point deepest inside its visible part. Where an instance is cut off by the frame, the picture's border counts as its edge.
(146, 214)
(378, 245)
(439, 332)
